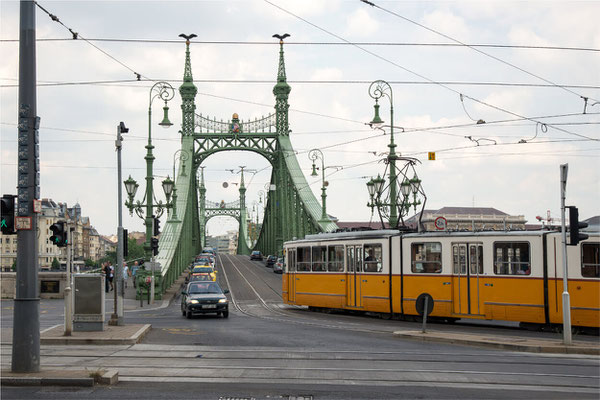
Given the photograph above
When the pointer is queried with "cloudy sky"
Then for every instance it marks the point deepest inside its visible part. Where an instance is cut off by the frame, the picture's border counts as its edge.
(527, 83)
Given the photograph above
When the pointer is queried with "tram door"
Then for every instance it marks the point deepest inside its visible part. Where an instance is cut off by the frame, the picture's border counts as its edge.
(291, 275)
(354, 261)
(467, 268)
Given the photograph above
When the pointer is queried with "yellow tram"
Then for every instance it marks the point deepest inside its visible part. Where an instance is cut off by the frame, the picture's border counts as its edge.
(514, 275)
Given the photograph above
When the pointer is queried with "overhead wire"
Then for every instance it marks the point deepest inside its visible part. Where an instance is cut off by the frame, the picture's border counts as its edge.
(418, 74)
(292, 43)
(372, 4)
(77, 35)
(118, 82)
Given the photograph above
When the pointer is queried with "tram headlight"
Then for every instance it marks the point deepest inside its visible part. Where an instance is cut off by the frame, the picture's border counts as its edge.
(222, 300)
(193, 301)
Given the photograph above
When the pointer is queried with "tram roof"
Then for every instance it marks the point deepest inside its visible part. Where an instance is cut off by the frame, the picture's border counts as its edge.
(392, 232)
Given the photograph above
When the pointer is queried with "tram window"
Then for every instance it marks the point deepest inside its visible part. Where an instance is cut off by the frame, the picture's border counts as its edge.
(319, 258)
(459, 260)
(590, 262)
(373, 258)
(335, 258)
(426, 258)
(303, 259)
(476, 259)
(512, 258)
(350, 258)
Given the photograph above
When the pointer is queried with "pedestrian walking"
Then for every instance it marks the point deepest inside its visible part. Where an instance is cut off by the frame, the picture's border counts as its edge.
(134, 269)
(125, 274)
(105, 273)
(111, 275)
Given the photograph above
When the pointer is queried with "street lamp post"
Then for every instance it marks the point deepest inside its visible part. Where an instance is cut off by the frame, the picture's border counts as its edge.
(377, 90)
(397, 201)
(165, 92)
(117, 317)
(314, 155)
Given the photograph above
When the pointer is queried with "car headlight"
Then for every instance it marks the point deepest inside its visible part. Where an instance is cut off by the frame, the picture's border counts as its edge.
(193, 301)
(222, 300)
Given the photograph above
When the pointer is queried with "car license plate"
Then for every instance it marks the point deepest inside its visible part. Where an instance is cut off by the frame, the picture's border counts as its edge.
(209, 306)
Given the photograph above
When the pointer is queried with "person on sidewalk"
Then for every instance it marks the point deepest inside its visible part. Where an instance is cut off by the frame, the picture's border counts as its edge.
(105, 273)
(134, 269)
(111, 275)
(125, 274)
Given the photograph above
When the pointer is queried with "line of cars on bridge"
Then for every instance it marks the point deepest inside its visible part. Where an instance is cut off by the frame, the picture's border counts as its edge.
(271, 261)
(202, 293)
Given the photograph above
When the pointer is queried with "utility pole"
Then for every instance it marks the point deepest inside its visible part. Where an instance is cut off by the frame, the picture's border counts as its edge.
(564, 169)
(26, 314)
(117, 317)
(69, 287)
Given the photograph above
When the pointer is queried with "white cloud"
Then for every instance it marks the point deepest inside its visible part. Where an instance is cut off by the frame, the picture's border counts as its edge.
(361, 24)
(448, 23)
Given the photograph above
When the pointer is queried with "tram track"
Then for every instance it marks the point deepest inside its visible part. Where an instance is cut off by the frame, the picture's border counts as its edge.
(291, 317)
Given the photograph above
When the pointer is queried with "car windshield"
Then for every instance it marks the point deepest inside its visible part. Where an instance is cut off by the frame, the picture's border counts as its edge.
(203, 277)
(204, 288)
(205, 270)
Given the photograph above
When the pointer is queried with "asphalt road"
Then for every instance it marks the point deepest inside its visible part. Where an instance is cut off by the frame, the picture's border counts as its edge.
(269, 350)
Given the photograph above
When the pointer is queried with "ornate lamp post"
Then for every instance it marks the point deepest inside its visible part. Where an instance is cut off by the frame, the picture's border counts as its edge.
(183, 156)
(377, 90)
(165, 92)
(314, 155)
(392, 201)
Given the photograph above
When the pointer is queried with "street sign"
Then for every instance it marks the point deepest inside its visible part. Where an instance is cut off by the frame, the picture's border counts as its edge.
(440, 223)
(37, 206)
(23, 223)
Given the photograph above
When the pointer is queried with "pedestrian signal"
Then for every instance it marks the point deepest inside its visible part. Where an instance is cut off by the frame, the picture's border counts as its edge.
(431, 155)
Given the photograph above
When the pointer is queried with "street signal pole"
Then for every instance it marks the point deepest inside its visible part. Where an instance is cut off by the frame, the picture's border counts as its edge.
(566, 302)
(26, 313)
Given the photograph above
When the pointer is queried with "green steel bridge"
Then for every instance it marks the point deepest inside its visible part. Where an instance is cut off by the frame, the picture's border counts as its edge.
(292, 211)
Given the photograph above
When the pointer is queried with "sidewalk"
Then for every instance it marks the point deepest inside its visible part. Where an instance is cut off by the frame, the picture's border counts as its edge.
(512, 343)
(127, 335)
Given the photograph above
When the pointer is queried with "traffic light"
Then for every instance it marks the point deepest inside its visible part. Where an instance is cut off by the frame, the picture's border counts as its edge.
(156, 226)
(574, 226)
(154, 243)
(59, 235)
(8, 214)
(125, 242)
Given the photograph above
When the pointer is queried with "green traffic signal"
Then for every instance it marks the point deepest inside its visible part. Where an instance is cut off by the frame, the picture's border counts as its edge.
(59, 237)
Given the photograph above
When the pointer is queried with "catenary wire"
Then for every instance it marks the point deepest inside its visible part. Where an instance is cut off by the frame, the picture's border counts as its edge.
(77, 35)
(271, 43)
(372, 4)
(418, 74)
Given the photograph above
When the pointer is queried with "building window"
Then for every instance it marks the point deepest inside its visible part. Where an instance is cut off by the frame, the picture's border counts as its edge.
(319, 258)
(373, 258)
(426, 258)
(512, 258)
(335, 258)
(590, 263)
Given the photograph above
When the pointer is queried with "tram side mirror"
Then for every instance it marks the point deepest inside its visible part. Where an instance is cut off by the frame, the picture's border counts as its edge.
(225, 291)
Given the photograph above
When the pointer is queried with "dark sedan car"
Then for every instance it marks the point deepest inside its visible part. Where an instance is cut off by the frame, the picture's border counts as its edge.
(204, 298)
(270, 261)
(256, 255)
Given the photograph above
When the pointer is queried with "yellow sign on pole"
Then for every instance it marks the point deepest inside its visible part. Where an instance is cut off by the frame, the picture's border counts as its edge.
(431, 155)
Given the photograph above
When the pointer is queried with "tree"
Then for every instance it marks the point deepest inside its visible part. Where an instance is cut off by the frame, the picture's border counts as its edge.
(55, 264)
(136, 251)
(90, 264)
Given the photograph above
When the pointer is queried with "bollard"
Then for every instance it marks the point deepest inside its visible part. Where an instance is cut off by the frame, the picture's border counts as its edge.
(425, 310)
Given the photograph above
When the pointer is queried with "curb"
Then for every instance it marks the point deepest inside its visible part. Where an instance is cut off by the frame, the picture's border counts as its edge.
(73, 340)
(530, 348)
(35, 381)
